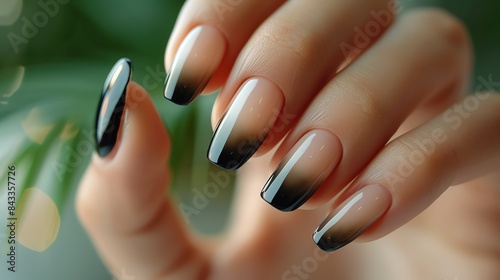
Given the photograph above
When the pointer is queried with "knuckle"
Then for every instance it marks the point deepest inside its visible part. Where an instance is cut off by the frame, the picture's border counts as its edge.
(353, 90)
(318, 118)
(290, 37)
(444, 24)
(446, 34)
(422, 152)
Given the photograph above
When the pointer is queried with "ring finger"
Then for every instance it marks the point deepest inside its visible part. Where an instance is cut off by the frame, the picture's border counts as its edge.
(422, 57)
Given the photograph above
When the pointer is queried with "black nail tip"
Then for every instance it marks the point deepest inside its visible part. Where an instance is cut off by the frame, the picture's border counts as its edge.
(328, 245)
(286, 197)
(330, 242)
(283, 204)
(280, 201)
(104, 150)
(185, 91)
(279, 207)
(231, 157)
(227, 159)
(111, 106)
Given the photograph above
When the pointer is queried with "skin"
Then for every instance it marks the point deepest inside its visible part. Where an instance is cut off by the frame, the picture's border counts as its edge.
(408, 87)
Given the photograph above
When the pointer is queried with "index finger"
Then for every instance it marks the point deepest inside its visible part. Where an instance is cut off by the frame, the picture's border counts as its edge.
(205, 42)
(121, 200)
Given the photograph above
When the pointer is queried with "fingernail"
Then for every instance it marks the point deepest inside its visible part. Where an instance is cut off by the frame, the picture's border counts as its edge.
(303, 170)
(246, 123)
(198, 57)
(352, 217)
(111, 106)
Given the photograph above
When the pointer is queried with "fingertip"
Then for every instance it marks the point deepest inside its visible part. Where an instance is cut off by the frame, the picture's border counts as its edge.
(130, 135)
(145, 138)
(353, 217)
(195, 64)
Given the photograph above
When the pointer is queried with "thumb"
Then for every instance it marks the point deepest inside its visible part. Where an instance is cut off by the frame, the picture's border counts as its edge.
(122, 201)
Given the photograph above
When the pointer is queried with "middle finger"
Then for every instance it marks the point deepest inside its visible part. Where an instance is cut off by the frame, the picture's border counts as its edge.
(282, 68)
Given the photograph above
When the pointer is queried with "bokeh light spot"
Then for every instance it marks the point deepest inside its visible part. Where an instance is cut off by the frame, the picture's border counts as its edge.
(10, 82)
(70, 131)
(10, 10)
(39, 222)
(34, 129)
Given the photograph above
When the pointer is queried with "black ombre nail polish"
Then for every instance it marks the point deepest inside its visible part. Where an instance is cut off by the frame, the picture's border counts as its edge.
(185, 89)
(196, 60)
(111, 107)
(232, 156)
(246, 123)
(353, 217)
(289, 194)
(303, 169)
(332, 243)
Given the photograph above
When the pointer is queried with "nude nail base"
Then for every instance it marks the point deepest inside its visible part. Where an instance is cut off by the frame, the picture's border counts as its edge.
(302, 170)
(246, 123)
(353, 217)
(195, 62)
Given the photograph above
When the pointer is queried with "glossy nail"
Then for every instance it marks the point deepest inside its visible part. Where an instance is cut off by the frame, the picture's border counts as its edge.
(303, 170)
(111, 106)
(198, 57)
(246, 123)
(352, 217)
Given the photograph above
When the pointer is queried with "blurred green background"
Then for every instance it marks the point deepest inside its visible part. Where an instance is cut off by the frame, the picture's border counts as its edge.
(50, 84)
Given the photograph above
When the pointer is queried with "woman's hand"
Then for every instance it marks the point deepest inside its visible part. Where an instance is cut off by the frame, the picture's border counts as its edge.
(338, 82)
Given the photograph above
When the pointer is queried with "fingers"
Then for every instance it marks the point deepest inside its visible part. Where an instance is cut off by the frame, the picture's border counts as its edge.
(122, 201)
(362, 107)
(415, 169)
(288, 59)
(206, 41)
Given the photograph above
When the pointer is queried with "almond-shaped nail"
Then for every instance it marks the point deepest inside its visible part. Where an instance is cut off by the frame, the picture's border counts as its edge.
(197, 58)
(303, 170)
(111, 107)
(352, 217)
(246, 123)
